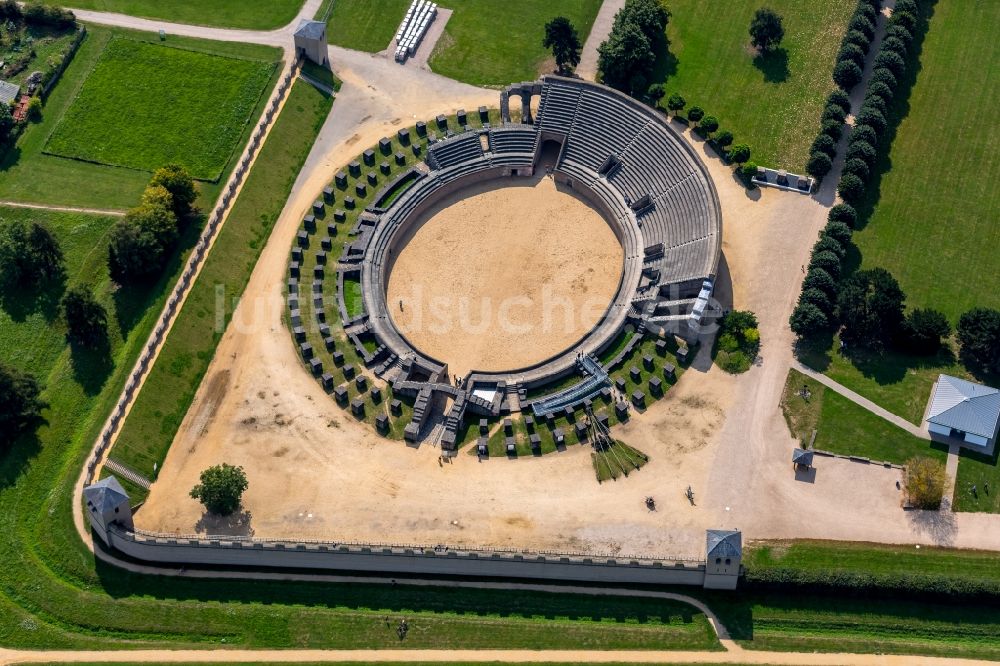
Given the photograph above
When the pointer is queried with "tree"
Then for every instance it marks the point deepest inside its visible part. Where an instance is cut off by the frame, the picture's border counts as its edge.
(819, 165)
(829, 244)
(221, 489)
(709, 124)
(828, 261)
(843, 213)
(35, 110)
(899, 32)
(696, 113)
(979, 332)
(833, 129)
(905, 19)
(808, 320)
(858, 167)
(833, 112)
(871, 307)
(924, 482)
(650, 16)
(157, 219)
(873, 118)
(864, 133)
(863, 151)
(883, 75)
(847, 74)
(824, 144)
(852, 52)
(817, 298)
(134, 253)
(626, 59)
(851, 188)
(181, 186)
(819, 279)
(896, 45)
(737, 321)
(859, 38)
(562, 39)
(841, 99)
(766, 30)
(676, 103)
(739, 154)
(6, 123)
(86, 319)
(19, 402)
(891, 61)
(861, 23)
(838, 231)
(724, 139)
(877, 88)
(29, 253)
(923, 330)
(655, 94)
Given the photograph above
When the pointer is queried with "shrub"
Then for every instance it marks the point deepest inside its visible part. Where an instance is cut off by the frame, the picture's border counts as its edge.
(819, 164)
(891, 61)
(871, 307)
(766, 30)
(824, 144)
(817, 298)
(833, 112)
(862, 150)
(675, 103)
(880, 89)
(748, 170)
(863, 25)
(734, 363)
(843, 213)
(851, 188)
(19, 402)
(852, 52)
(737, 321)
(833, 129)
(847, 74)
(221, 489)
(923, 330)
(858, 38)
(35, 110)
(808, 319)
(858, 167)
(724, 139)
(924, 482)
(829, 244)
(739, 341)
(739, 154)
(839, 232)
(655, 93)
(872, 117)
(865, 133)
(841, 99)
(979, 332)
(708, 124)
(817, 278)
(828, 261)
(696, 113)
(883, 75)
(728, 342)
(895, 44)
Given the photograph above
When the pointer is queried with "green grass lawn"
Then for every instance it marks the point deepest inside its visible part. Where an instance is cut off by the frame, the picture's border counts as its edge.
(28, 174)
(178, 105)
(496, 43)
(982, 471)
(189, 347)
(772, 104)
(364, 25)
(934, 223)
(248, 14)
(846, 428)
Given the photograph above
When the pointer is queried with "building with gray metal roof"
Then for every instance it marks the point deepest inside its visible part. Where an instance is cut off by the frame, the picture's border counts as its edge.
(964, 410)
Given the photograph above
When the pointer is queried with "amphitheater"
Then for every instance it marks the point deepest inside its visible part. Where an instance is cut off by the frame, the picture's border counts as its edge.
(618, 156)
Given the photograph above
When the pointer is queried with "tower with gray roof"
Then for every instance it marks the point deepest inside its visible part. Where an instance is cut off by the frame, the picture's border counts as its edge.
(310, 41)
(723, 557)
(107, 502)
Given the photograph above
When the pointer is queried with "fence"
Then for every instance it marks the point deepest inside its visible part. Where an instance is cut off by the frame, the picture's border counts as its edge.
(107, 437)
(58, 72)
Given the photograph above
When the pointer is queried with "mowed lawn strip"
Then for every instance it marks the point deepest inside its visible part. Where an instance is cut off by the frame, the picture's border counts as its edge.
(934, 225)
(771, 103)
(28, 174)
(364, 25)
(167, 393)
(496, 43)
(145, 105)
(246, 14)
(843, 427)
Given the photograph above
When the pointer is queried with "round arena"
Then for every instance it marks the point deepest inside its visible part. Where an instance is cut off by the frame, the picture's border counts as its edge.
(510, 258)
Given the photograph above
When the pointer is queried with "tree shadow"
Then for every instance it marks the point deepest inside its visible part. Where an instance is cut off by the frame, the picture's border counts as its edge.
(892, 366)
(773, 65)
(665, 64)
(815, 351)
(940, 526)
(16, 455)
(92, 365)
(20, 302)
(235, 524)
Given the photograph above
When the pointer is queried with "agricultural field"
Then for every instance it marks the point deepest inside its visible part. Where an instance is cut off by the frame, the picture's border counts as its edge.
(183, 106)
(934, 224)
(247, 14)
(31, 175)
(772, 103)
(846, 428)
(182, 362)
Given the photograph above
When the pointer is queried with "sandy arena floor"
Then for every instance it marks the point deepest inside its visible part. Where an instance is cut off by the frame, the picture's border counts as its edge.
(503, 275)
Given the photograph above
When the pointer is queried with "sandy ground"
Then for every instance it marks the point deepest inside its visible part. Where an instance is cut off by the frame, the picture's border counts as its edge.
(503, 275)
(314, 472)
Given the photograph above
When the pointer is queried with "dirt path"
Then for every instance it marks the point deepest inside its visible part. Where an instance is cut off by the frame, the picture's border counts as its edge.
(587, 68)
(64, 209)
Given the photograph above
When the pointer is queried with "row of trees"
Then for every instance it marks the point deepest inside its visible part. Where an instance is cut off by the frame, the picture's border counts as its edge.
(627, 58)
(142, 241)
(705, 125)
(36, 13)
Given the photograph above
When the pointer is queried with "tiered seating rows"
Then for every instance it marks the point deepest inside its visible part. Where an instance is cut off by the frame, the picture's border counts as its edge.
(456, 150)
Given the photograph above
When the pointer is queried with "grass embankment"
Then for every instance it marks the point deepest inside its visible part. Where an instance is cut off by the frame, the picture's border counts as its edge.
(28, 174)
(489, 43)
(196, 105)
(247, 14)
(173, 380)
(769, 102)
(846, 428)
